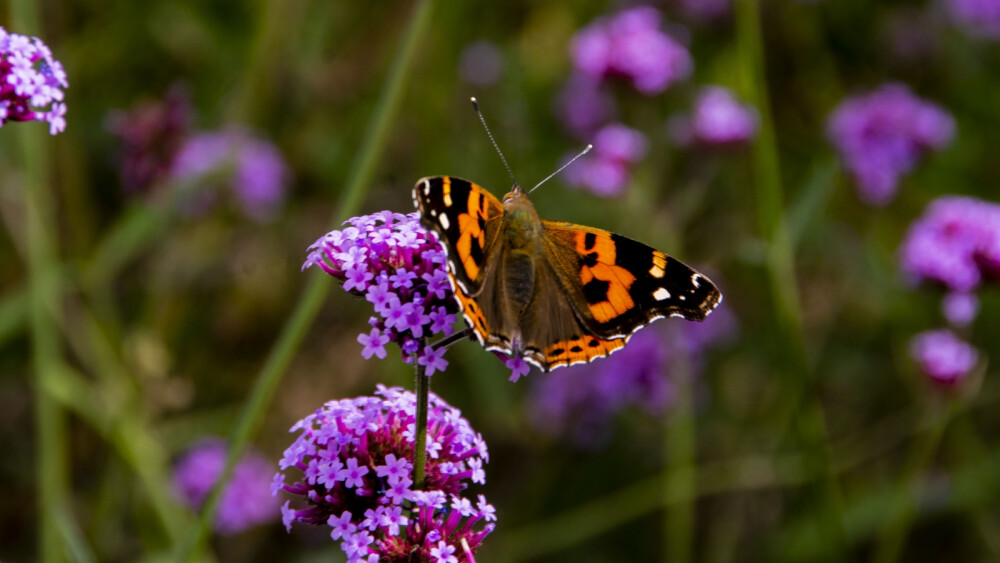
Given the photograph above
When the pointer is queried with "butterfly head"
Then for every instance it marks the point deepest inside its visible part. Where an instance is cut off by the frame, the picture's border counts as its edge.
(515, 192)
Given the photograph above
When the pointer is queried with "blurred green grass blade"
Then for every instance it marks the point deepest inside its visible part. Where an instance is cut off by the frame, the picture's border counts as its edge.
(812, 200)
(14, 306)
(141, 225)
(40, 224)
(805, 419)
(292, 334)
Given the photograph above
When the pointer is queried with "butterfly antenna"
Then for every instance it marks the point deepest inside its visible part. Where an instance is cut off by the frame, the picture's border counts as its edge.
(561, 168)
(475, 106)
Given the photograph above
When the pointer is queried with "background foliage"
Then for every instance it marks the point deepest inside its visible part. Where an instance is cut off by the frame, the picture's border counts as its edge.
(812, 435)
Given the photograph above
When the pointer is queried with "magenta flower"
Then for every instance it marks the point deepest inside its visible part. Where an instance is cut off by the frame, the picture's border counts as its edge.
(881, 136)
(245, 501)
(31, 82)
(717, 119)
(980, 18)
(232, 158)
(399, 267)
(584, 105)
(355, 461)
(955, 243)
(605, 170)
(151, 134)
(631, 45)
(943, 356)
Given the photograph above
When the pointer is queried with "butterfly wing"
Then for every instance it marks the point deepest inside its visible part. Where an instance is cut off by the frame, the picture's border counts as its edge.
(618, 285)
(466, 218)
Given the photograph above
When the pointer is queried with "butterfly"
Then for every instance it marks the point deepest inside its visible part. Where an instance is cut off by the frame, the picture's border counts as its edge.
(552, 293)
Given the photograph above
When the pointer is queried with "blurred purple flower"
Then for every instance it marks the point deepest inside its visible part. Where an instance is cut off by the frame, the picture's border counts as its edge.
(604, 171)
(481, 63)
(355, 459)
(960, 308)
(398, 266)
(717, 119)
(579, 402)
(245, 501)
(980, 18)
(631, 45)
(956, 243)
(251, 167)
(943, 356)
(882, 135)
(31, 82)
(151, 134)
(583, 105)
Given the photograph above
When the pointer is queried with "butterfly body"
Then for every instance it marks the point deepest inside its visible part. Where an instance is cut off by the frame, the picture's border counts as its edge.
(553, 293)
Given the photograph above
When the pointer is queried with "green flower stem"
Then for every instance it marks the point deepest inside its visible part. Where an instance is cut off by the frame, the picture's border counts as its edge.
(423, 388)
(679, 448)
(294, 331)
(907, 488)
(40, 224)
(788, 349)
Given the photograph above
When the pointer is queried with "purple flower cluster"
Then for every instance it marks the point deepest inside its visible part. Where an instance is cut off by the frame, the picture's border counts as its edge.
(151, 134)
(631, 45)
(882, 135)
(252, 168)
(956, 243)
(355, 459)
(400, 268)
(717, 119)
(579, 402)
(245, 501)
(977, 17)
(605, 171)
(30, 78)
(943, 356)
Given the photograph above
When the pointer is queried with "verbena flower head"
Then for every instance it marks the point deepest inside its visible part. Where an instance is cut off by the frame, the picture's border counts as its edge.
(631, 45)
(31, 82)
(151, 134)
(882, 135)
(579, 402)
(400, 268)
(605, 170)
(717, 119)
(351, 469)
(584, 105)
(956, 242)
(245, 501)
(943, 356)
(980, 18)
(234, 158)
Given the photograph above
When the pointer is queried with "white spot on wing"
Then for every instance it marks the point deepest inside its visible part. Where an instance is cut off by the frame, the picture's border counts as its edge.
(427, 187)
(661, 294)
(695, 278)
(443, 219)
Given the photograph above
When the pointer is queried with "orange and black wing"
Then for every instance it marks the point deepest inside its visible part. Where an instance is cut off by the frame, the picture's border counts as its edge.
(619, 285)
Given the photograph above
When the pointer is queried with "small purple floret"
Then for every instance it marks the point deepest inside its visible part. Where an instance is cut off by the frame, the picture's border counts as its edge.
(943, 356)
